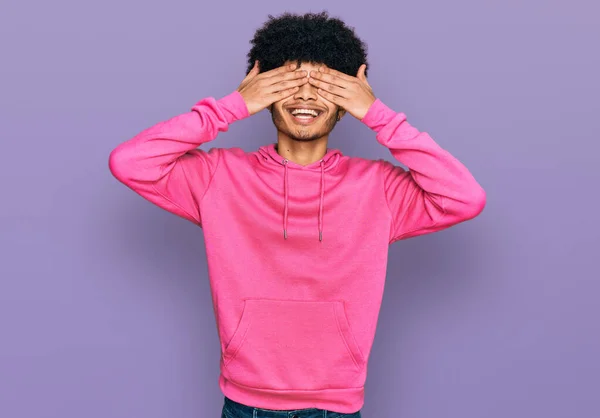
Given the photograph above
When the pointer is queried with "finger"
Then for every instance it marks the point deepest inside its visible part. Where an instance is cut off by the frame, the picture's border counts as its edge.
(251, 74)
(290, 75)
(330, 88)
(284, 85)
(332, 79)
(254, 68)
(333, 98)
(361, 73)
(254, 71)
(326, 70)
(279, 70)
(282, 94)
(363, 76)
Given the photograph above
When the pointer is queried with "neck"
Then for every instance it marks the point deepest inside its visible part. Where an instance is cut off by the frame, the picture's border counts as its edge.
(300, 152)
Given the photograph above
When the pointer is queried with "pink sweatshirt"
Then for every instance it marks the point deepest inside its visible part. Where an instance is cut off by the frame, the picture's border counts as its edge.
(296, 254)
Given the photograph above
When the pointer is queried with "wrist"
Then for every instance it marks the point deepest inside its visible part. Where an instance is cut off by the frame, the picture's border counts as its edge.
(378, 115)
(235, 106)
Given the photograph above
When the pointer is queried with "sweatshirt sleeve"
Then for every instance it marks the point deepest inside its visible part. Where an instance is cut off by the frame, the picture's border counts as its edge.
(162, 163)
(436, 192)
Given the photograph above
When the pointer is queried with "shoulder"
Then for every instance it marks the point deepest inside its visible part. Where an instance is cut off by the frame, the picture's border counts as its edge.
(234, 156)
(365, 164)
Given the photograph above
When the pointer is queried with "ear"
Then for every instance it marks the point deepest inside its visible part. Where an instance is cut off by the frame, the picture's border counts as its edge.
(341, 113)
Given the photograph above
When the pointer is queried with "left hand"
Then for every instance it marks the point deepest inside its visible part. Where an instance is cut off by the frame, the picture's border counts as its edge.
(354, 94)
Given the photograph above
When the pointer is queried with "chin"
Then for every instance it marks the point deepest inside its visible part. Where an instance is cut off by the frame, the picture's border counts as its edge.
(305, 137)
(304, 134)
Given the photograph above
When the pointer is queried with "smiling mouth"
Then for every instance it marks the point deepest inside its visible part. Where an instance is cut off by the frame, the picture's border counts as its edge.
(304, 116)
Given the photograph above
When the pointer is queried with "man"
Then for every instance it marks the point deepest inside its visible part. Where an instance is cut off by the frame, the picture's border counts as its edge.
(296, 233)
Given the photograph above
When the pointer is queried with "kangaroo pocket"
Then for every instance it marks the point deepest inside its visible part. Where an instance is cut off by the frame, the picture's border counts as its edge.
(282, 344)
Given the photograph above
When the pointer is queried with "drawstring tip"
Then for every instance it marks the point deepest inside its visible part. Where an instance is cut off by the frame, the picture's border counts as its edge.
(320, 236)
(285, 234)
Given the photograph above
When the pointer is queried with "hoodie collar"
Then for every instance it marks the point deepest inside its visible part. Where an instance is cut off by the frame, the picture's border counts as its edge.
(269, 154)
(330, 159)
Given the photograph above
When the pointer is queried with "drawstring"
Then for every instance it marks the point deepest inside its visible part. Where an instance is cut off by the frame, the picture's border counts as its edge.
(321, 201)
(286, 198)
(285, 191)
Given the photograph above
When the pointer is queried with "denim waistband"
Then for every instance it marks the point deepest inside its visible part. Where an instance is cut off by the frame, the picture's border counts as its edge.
(244, 411)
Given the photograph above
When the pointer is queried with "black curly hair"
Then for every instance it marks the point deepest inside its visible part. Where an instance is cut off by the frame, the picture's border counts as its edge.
(312, 38)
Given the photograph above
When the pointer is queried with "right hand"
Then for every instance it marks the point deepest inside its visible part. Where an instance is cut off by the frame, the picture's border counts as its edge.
(261, 90)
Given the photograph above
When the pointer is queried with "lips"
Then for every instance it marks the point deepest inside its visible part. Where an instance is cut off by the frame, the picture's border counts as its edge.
(305, 115)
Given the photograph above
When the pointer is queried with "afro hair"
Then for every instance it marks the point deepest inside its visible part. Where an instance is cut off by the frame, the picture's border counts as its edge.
(312, 38)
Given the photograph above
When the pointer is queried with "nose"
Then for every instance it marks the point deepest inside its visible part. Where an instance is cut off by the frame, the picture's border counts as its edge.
(306, 92)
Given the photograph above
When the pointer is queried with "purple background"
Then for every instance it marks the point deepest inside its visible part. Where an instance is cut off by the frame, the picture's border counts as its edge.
(105, 308)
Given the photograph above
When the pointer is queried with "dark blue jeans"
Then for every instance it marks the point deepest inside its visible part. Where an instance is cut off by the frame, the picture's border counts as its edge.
(232, 409)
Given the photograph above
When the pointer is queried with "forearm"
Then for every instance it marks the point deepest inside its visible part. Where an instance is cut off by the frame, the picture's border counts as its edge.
(149, 154)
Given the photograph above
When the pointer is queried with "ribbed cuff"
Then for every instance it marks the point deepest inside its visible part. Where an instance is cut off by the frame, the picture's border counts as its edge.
(378, 115)
(234, 106)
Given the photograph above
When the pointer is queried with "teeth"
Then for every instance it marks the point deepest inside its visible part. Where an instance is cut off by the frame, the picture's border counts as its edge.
(305, 112)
